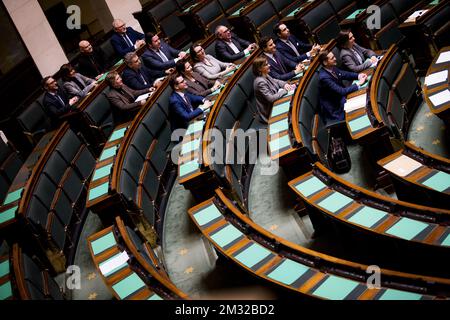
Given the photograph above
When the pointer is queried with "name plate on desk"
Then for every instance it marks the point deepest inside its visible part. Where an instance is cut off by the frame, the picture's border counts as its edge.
(356, 103)
(402, 166)
(114, 263)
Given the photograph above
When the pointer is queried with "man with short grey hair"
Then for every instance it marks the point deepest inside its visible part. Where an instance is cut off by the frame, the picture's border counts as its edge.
(229, 47)
(136, 75)
(125, 39)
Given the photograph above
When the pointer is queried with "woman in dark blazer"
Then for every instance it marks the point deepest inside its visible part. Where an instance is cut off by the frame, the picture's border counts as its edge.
(354, 57)
(197, 84)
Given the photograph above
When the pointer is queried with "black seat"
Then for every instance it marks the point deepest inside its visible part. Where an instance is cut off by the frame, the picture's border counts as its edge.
(55, 168)
(34, 122)
(84, 163)
(45, 190)
(100, 118)
(210, 16)
(150, 183)
(284, 7)
(142, 140)
(33, 278)
(343, 8)
(58, 232)
(72, 185)
(393, 69)
(37, 213)
(11, 166)
(403, 9)
(321, 22)
(68, 146)
(229, 6)
(155, 120)
(306, 119)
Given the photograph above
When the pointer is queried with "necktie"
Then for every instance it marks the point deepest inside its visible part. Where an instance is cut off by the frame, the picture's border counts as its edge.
(128, 41)
(60, 100)
(279, 63)
(188, 103)
(142, 77)
(357, 56)
(290, 44)
(162, 55)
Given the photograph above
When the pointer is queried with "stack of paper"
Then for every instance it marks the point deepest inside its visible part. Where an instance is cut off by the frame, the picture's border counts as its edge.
(415, 15)
(436, 77)
(356, 103)
(142, 97)
(402, 166)
(114, 263)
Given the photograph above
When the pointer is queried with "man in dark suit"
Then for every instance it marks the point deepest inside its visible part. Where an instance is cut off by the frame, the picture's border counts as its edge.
(159, 57)
(56, 103)
(136, 76)
(292, 48)
(92, 62)
(183, 106)
(332, 91)
(280, 67)
(125, 39)
(229, 47)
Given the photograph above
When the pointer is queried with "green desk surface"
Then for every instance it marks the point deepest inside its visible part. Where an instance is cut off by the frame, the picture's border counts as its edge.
(407, 228)
(103, 243)
(368, 217)
(207, 214)
(440, 181)
(8, 214)
(108, 153)
(252, 255)
(13, 196)
(310, 186)
(279, 143)
(335, 202)
(280, 108)
(392, 294)
(189, 167)
(226, 235)
(279, 126)
(359, 123)
(335, 288)
(288, 272)
(128, 285)
(102, 172)
(98, 191)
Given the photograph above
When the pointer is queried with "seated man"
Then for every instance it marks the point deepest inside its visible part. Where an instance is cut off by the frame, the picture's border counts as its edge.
(159, 57)
(55, 100)
(136, 76)
(280, 67)
(332, 92)
(183, 106)
(125, 39)
(76, 84)
(292, 48)
(92, 62)
(121, 97)
(229, 47)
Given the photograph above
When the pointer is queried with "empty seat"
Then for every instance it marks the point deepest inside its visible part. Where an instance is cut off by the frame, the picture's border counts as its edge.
(211, 15)
(68, 146)
(406, 84)
(33, 279)
(393, 69)
(229, 6)
(11, 166)
(34, 122)
(159, 159)
(402, 9)
(37, 213)
(45, 190)
(395, 111)
(150, 182)
(100, 117)
(72, 185)
(142, 140)
(55, 167)
(343, 8)
(284, 7)
(321, 22)
(84, 163)
(57, 232)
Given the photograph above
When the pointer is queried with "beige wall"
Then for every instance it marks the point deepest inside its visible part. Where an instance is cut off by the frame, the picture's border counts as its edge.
(37, 35)
(121, 9)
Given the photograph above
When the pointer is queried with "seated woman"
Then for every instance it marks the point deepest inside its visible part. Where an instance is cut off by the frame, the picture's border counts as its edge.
(197, 84)
(75, 84)
(354, 57)
(267, 89)
(207, 65)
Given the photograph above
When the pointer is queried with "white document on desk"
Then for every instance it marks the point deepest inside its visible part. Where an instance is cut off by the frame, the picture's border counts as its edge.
(415, 15)
(356, 103)
(142, 97)
(440, 98)
(443, 57)
(114, 263)
(436, 77)
(402, 166)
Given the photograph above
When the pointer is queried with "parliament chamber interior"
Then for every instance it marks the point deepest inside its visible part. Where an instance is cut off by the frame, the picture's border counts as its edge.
(314, 165)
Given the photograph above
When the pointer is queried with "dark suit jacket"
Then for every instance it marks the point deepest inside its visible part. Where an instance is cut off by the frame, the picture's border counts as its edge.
(154, 62)
(53, 105)
(121, 46)
(350, 61)
(180, 113)
(287, 51)
(134, 80)
(202, 86)
(92, 65)
(276, 70)
(332, 93)
(224, 52)
(119, 101)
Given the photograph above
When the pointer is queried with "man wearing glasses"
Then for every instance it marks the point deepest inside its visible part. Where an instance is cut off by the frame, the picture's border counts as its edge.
(125, 39)
(184, 106)
(56, 103)
(229, 47)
